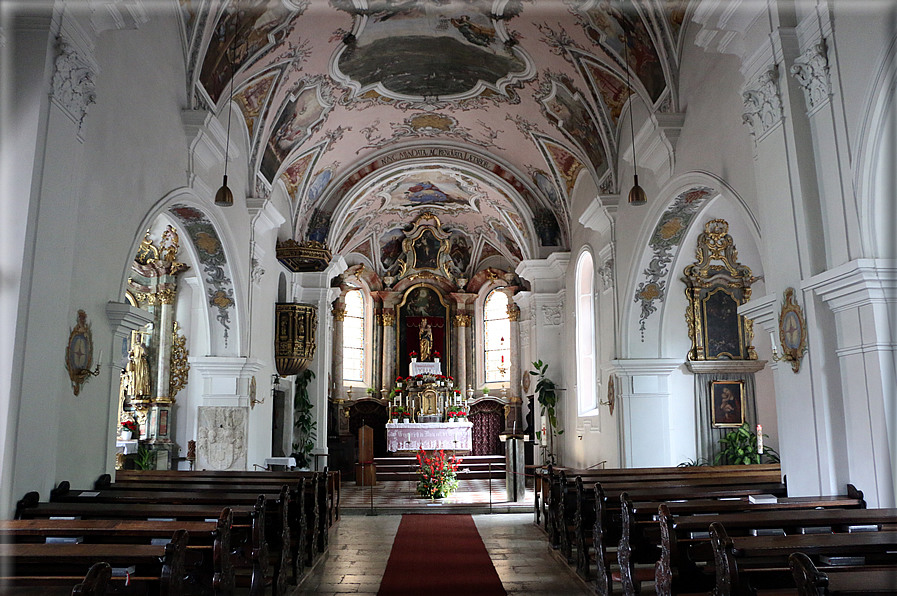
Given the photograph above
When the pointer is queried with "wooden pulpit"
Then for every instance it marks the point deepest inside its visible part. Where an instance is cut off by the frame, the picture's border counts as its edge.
(365, 469)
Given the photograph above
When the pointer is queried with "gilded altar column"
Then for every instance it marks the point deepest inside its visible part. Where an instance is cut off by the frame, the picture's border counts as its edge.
(339, 315)
(388, 321)
(513, 419)
(461, 325)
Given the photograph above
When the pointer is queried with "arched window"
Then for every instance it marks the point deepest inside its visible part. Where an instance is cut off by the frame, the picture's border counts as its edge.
(587, 394)
(353, 337)
(497, 337)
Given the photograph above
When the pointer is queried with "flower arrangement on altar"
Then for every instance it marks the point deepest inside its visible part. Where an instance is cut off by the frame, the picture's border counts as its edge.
(429, 378)
(437, 355)
(412, 354)
(457, 414)
(401, 412)
(438, 474)
(129, 427)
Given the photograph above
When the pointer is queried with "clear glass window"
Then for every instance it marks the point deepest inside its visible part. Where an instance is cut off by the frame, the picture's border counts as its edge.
(586, 373)
(353, 337)
(497, 337)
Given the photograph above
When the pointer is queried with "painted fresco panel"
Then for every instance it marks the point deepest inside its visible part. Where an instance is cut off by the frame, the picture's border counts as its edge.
(293, 127)
(572, 116)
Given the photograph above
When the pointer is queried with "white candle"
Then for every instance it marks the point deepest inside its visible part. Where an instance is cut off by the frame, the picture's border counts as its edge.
(760, 439)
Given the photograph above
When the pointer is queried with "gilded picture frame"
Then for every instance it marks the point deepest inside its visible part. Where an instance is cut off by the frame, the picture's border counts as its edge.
(727, 404)
(792, 331)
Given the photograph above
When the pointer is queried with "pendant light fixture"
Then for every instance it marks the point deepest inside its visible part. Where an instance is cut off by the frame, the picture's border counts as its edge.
(637, 195)
(224, 197)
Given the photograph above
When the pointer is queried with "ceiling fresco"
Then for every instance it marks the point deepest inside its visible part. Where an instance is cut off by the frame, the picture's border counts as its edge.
(506, 102)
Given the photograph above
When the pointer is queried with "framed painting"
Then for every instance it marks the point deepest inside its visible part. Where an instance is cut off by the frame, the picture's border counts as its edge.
(727, 403)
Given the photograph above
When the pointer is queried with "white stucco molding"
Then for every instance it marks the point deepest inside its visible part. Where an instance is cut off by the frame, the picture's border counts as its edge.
(640, 367)
(724, 23)
(726, 366)
(115, 15)
(226, 379)
(123, 315)
(599, 217)
(762, 311)
(855, 284)
(656, 143)
(545, 275)
(206, 138)
(264, 214)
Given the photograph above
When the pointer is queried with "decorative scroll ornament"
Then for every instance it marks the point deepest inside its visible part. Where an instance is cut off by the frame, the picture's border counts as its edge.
(792, 332)
(552, 314)
(513, 313)
(79, 354)
(763, 104)
(389, 318)
(74, 85)
(716, 284)
(295, 338)
(812, 74)
(339, 314)
(179, 366)
(606, 273)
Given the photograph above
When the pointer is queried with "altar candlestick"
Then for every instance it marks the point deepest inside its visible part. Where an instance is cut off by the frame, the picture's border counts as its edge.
(760, 439)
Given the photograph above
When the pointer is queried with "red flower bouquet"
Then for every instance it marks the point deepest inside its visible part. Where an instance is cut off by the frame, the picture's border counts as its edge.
(438, 474)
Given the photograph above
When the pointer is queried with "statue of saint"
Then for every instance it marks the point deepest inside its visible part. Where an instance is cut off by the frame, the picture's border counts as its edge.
(426, 340)
(138, 371)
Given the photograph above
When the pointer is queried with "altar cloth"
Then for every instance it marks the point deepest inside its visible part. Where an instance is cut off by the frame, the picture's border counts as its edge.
(405, 436)
(425, 368)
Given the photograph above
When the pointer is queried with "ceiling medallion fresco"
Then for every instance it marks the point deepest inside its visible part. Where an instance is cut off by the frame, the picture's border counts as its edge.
(252, 98)
(241, 37)
(403, 50)
(301, 116)
(565, 106)
(427, 125)
(610, 25)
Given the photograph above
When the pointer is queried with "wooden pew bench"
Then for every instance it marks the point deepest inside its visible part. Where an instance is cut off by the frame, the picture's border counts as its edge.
(835, 581)
(160, 568)
(282, 526)
(745, 564)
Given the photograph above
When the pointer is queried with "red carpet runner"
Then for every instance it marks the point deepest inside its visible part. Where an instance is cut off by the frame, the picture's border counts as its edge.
(439, 555)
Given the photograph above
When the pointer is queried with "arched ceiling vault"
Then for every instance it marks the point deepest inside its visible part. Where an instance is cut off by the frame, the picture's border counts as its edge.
(326, 87)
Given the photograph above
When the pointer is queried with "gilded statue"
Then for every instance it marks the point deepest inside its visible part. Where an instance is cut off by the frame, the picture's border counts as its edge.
(138, 371)
(426, 340)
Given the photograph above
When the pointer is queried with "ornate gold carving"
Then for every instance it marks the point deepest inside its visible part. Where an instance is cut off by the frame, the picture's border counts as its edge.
(146, 252)
(462, 320)
(388, 318)
(308, 256)
(179, 366)
(716, 285)
(79, 354)
(513, 313)
(167, 296)
(339, 314)
(295, 337)
(147, 298)
(792, 332)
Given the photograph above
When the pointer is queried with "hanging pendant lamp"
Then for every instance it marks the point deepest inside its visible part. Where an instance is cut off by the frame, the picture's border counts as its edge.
(637, 195)
(224, 197)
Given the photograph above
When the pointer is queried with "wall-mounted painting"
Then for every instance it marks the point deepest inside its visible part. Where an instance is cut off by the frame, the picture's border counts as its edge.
(727, 403)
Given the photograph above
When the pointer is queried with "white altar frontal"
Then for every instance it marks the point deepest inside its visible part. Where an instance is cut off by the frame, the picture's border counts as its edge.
(425, 368)
(450, 436)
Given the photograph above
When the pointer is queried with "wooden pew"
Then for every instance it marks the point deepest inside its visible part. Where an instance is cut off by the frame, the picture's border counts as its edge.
(866, 580)
(214, 572)
(50, 564)
(279, 519)
(746, 563)
(95, 581)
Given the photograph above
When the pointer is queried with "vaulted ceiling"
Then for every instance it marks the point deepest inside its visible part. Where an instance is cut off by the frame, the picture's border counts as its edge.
(485, 112)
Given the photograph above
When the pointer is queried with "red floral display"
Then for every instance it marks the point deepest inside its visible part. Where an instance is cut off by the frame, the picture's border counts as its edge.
(438, 474)
(129, 425)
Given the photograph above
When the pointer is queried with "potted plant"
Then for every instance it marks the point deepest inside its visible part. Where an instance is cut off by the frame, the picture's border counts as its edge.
(413, 356)
(436, 356)
(303, 422)
(370, 391)
(128, 429)
(485, 391)
(438, 474)
(740, 447)
(546, 395)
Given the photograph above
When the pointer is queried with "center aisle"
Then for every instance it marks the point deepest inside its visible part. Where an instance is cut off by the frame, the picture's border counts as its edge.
(360, 548)
(439, 555)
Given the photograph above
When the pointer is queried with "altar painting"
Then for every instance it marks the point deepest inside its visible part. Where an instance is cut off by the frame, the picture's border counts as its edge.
(423, 315)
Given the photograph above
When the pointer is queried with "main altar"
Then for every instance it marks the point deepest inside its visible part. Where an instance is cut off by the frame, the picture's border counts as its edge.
(429, 436)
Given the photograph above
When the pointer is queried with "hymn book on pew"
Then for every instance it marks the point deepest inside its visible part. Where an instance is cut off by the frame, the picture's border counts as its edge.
(763, 498)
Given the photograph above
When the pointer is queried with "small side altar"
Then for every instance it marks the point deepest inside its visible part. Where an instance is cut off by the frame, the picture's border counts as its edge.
(412, 436)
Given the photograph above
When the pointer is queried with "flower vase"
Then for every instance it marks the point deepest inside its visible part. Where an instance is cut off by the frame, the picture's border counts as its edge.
(436, 360)
(125, 435)
(413, 359)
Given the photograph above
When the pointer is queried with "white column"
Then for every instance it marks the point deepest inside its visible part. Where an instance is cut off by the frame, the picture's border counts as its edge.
(862, 295)
(646, 389)
(314, 288)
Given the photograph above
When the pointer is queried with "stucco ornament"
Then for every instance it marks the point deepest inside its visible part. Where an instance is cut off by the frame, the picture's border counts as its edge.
(74, 85)
(811, 71)
(552, 314)
(221, 437)
(763, 103)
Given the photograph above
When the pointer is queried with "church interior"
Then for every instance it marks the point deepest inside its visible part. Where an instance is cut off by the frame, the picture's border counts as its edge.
(329, 234)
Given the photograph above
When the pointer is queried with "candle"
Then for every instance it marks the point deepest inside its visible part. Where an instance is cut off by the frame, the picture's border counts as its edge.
(760, 439)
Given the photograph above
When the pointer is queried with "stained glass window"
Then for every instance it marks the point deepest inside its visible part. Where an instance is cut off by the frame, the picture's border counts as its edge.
(586, 388)
(353, 337)
(497, 337)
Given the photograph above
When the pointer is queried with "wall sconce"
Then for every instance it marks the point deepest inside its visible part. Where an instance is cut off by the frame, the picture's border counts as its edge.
(79, 354)
(792, 332)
